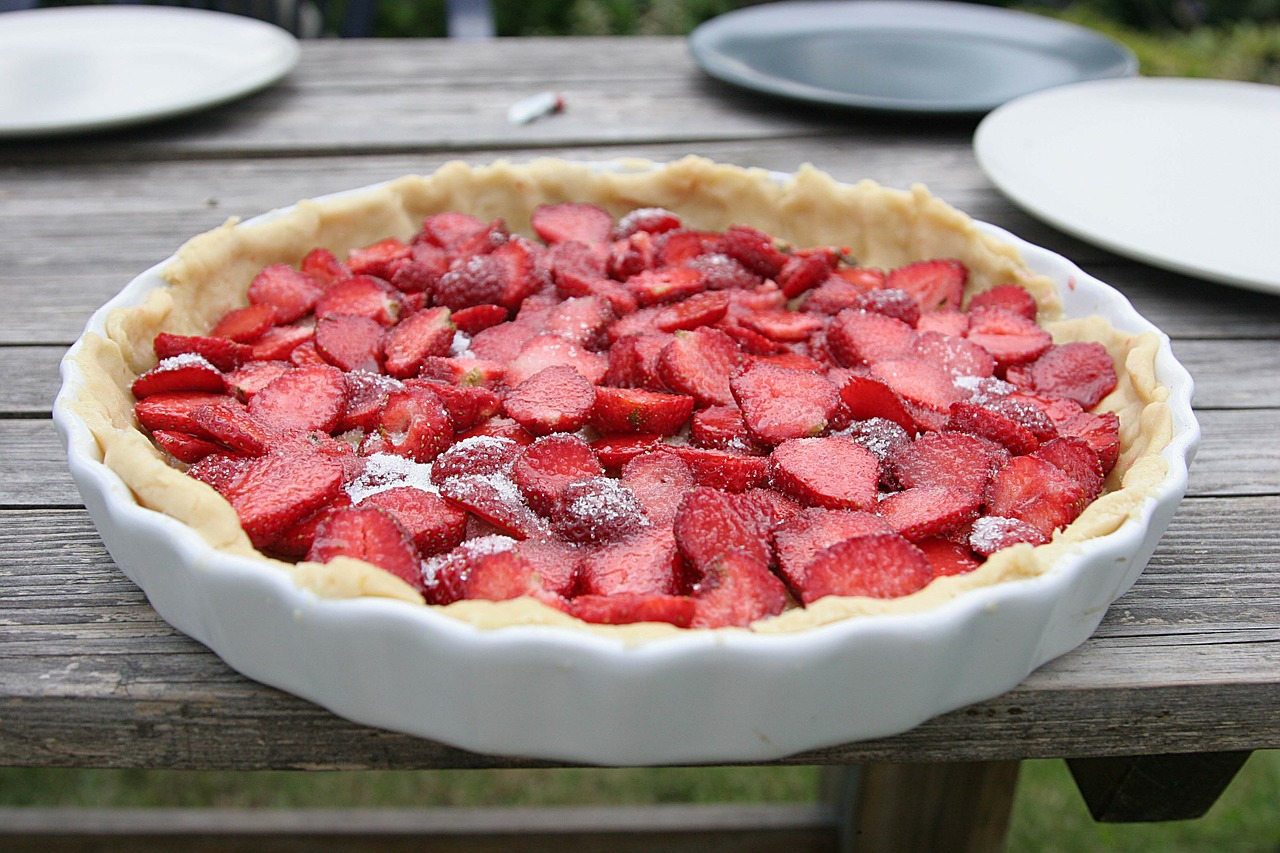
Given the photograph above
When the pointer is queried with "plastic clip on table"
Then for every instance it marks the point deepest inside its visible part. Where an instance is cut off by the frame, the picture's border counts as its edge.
(1154, 712)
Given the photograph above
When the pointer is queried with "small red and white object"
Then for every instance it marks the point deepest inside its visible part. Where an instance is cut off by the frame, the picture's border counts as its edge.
(535, 107)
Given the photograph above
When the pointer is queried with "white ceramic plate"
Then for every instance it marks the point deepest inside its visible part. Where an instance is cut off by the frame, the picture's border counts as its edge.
(83, 68)
(1178, 173)
(566, 695)
(925, 56)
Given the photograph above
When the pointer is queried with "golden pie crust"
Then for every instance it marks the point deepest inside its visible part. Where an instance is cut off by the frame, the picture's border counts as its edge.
(883, 227)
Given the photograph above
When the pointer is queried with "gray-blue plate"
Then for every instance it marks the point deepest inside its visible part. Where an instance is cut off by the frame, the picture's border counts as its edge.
(919, 56)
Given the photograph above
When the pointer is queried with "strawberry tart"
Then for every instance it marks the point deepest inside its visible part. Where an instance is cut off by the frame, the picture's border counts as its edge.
(638, 400)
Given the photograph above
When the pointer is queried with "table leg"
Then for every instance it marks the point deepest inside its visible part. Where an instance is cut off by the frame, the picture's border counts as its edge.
(1130, 789)
(931, 808)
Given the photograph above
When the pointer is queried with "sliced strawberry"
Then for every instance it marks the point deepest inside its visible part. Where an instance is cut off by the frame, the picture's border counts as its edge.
(891, 302)
(833, 471)
(525, 272)
(616, 450)
(956, 355)
(188, 372)
(424, 334)
(418, 273)
(413, 423)
(600, 509)
(251, 377)
(722, 272)
(350, 342)
(950, 459)
(831, 296)
(480, 279)
(710, 523)
(679, 246)
(885, 439)
(1081, 371)
(558, 564)
(801, 273)
(632, 608)
(1011, 297)
(223, 353)
(867, 398)
(659, 481)
(368, 533)
(700, 363)
(724, 428)
(619, 410)
(1010, 338)
(555, 399)
(444, 576)
(543, 351)
(185, 447)
(631, 256)
(449, 229)
(754, 249)
(235, 428)
(273, 492)
(719, 469)
(924, 385)
(584, 320)
(652, 220)
(575, 266)
(994, 425)
(465, 371)
(303, 399)
(947, 321)
(468, 405)
(934, 284)
(800, 538)
(991, 533)
(323, 266)
(245, 325)
(366, 395)
(279, 342)
(861, 337)
(291, 292)
(1101, 431)
(877, 565)
(698, 309)
(735, 591)
(495, 499)
(296, 540)
(1036, 492)
(948, 558)
(571, 221)
(644, 563)
(305, 354)
(220, 470)
(476, 318)
(778, 403)
(363, 296)
(927, 511)
(434, 524)
(781, 325)
(377, 259)
(173, 411)
(544, 468)
(1079, 460)
(633, 361)
(666, 285)
(481, 454)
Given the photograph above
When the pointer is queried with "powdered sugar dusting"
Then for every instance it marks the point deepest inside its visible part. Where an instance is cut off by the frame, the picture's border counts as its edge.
(383, 471)
(185, 359)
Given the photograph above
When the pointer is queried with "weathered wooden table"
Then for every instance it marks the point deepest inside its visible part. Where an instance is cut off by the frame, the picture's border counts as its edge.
(1155, 712)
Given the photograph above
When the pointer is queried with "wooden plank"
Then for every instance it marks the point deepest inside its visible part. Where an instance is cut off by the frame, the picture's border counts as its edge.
(1148, 788)
(754, 828)
(934, 808)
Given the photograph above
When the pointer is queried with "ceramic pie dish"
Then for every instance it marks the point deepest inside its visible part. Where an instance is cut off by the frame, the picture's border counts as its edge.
(511, 679)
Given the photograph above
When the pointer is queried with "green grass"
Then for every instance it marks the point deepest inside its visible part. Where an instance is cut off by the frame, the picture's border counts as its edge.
(1049, 815)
